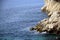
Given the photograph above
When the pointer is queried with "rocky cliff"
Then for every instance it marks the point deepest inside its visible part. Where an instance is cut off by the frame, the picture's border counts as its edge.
(52, 23)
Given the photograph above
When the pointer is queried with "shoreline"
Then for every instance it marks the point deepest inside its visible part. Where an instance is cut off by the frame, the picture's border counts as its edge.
(51, 24)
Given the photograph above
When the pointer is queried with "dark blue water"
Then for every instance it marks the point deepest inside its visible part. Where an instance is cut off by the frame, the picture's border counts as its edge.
(18, 16)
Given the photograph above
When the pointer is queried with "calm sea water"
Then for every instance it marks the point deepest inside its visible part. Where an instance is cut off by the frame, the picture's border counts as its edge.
(18, 16)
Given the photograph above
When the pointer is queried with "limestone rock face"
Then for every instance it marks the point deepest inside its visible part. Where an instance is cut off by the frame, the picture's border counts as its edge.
(52, 23)
(51, 5)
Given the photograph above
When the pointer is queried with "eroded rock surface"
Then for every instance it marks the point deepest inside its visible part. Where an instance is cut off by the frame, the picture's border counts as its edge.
(52, 23)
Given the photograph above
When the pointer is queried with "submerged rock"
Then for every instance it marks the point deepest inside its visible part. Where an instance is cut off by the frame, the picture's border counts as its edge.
(52, 23)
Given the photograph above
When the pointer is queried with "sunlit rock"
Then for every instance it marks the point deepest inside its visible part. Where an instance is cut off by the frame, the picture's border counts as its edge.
(52, 23)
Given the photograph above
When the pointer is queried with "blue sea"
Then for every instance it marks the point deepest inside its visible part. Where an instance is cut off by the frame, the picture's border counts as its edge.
(18, 16)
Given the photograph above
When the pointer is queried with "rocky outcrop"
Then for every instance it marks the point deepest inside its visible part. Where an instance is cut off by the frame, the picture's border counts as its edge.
(52, 23)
